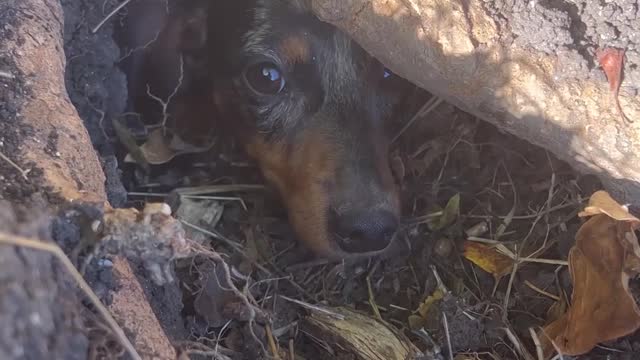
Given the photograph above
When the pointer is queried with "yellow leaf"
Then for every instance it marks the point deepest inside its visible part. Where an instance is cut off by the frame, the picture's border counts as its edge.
(488, 258)
(423, 309)
(415, 322)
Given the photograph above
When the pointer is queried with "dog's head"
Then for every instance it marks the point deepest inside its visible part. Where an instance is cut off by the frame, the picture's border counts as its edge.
(310, 106)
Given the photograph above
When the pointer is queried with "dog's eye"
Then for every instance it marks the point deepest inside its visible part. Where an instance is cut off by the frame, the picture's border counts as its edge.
(264, 78)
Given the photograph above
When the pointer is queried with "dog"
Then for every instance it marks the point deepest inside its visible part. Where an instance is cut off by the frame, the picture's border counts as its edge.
(306, 101)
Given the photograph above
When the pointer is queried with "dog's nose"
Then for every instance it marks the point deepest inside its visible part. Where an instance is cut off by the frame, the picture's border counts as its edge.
(366, 231)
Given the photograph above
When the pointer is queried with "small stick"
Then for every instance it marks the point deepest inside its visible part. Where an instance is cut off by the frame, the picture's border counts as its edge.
(428, 107)
(536, 341)
(445, 323)
(110, 15)
(22, 172)
(272, 343)
(545, 293)
(292, 350)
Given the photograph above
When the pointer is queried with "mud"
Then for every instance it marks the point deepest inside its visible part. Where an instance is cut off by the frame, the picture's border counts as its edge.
(573, 30)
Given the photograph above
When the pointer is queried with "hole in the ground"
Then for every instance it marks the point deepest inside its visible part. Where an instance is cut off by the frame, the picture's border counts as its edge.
(318, 138)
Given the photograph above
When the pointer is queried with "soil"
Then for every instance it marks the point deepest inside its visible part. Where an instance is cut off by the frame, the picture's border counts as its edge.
(13, 185)
(574, 30)
(38, 311)
(95, 84)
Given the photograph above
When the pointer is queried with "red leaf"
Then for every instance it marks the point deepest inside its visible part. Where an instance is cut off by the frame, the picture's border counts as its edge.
(612, 62)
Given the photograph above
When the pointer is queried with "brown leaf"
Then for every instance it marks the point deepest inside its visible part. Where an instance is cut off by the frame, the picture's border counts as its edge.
(488, 258)
(127, 139)
(612, 62)
(602, 203)
(162, 146)
(602, 308)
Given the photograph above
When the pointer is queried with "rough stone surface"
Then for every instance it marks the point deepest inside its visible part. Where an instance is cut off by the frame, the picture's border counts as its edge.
(528, 67)
(572, 30)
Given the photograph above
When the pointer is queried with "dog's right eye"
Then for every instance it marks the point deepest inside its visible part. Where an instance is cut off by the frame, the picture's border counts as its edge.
(264, 78)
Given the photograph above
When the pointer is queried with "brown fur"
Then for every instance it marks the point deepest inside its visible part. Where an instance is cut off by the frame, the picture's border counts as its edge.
(299, 174)
(295, 49)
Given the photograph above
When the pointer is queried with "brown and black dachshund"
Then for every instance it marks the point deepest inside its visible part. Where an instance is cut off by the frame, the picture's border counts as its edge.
(306, 101)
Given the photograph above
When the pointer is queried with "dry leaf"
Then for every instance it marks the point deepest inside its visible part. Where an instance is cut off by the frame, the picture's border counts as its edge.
(449, 214)
(157, 148)
(162, 146)
(127, 139)
(416, 322)
(419, 319)
(602, 203)
(612, 62)
(202, 212)
(600, 264)
(423, 309)
(488, 258)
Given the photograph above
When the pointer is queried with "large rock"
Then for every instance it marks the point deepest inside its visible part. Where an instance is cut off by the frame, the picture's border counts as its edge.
(528, 67)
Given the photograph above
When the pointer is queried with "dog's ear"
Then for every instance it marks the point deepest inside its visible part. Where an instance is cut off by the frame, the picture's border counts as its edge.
(193, 30)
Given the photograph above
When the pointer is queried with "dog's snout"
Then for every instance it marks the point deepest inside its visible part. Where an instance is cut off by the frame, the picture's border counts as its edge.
(366, 231)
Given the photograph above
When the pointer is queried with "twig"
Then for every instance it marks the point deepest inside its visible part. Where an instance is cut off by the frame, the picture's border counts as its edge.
(110, 15)
(544, 261)
(22, 172)
(272, 343)
(445, 323)
(236, 246)
(253, 309)
(165, 104)
(536, 341)
(531, 216)
(507, 219)
(313, 307)
(545, 293)
(55, 250)
(515, 265)
(505, 251)
(292, 350)
(431, 104)
(439, 281)
(372, 298)
(216, 189)
(518, 345)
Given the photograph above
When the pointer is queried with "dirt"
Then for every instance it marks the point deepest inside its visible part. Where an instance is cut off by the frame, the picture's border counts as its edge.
(95, 84)
(39, 315)
(13, 89)
(574, 30)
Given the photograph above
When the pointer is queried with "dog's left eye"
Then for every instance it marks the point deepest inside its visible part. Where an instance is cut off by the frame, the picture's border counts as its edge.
(264, 78)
